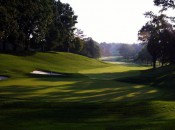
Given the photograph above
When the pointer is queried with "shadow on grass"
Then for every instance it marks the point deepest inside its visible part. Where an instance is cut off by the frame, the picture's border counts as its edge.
(78, 90)
(107, 116)
(20, 53)
(109, 76)
(161, 78)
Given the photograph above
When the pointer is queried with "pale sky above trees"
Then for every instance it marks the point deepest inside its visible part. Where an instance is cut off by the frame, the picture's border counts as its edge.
(111, 20)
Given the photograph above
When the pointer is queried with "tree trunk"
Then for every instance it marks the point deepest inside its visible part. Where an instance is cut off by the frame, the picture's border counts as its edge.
(42, 47)
(14, 47)
(4, 46)
(162, 63)
(163, 57)
(26, 47)
(68, 49)
(154, 62)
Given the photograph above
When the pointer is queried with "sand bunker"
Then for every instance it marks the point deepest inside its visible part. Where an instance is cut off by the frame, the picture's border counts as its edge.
(3, 77)
(45, 73)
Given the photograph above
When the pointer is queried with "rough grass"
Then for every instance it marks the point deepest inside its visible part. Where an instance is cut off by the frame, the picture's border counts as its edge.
(93, 96)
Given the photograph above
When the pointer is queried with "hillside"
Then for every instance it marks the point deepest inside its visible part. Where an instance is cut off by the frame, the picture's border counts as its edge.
(11, 65)
(83, 79)
(162, 78)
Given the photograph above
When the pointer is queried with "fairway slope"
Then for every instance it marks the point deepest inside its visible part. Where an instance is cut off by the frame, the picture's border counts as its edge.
(82, 80)
(162, 78)
(91, 95)
(61, 62)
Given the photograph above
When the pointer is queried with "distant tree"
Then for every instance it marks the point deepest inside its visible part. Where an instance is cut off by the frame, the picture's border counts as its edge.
(91, 48)
(77, 45)
(105, 49)
(112, 49)
(144, 56)
(129, 51)
(125, 51)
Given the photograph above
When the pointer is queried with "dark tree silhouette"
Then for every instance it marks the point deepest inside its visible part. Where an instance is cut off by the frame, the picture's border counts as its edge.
(144, 56)
(90, 48)
(165, 4)
(158, 35)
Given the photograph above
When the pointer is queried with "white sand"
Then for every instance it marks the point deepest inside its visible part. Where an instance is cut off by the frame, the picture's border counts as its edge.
(3, 77)
(44, 73)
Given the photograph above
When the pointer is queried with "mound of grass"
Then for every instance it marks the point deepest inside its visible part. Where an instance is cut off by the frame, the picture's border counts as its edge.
(15, 66)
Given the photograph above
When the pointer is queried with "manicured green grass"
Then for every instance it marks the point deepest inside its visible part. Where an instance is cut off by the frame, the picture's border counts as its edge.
(161, 78)
(16, 66)
(92, 96)
(50, 115)
(73, 90)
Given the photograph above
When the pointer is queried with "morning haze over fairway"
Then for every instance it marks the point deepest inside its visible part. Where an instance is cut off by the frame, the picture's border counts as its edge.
(55, 77)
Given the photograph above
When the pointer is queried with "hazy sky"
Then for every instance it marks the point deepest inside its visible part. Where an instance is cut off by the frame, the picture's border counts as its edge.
(111, 20)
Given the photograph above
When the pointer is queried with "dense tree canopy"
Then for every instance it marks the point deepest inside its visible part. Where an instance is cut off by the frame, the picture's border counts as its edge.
(37, 25)
(159, 35)
(23, 21)
(165, 3)
(61, 30)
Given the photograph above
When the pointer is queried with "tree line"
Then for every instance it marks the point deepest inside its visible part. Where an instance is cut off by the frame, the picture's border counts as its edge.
(158, 34)
(47, 25)
(127, 51)
(109, 49)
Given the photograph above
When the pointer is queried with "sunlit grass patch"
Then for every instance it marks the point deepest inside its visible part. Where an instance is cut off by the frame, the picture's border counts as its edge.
(72, 89)
(112, 72)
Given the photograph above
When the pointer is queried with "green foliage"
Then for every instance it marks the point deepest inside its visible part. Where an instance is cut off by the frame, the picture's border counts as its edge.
(129, 51)
(159, 36)
(77, 45)
(42, 26)
(144, 56)
(60, 36)
(24, 21)
(91, 48)
(36, 25)
(8, 22)
(110, 49)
